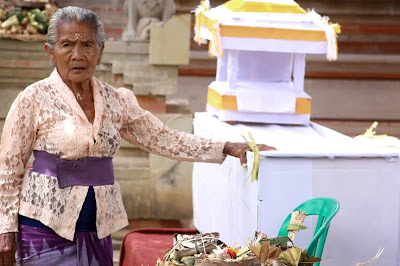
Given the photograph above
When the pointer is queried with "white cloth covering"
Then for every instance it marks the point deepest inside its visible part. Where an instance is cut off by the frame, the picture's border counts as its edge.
(276, 97)
(311, 161)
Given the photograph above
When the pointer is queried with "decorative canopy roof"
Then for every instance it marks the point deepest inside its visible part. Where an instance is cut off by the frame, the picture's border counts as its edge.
(265, 25)
(284, 6)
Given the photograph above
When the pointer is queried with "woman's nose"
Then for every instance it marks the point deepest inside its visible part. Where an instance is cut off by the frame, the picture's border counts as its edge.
(77, 52)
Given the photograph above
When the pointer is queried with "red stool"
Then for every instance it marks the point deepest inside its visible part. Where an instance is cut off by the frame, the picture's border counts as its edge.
(145, 246)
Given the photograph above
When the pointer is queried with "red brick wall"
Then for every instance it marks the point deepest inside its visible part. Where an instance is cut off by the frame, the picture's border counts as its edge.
(368, 26)
(112, 15)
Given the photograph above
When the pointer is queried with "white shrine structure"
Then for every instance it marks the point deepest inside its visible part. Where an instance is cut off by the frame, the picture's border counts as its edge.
(261, 47)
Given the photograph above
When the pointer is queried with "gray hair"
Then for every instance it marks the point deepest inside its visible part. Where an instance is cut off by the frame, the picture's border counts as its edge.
(75, 14)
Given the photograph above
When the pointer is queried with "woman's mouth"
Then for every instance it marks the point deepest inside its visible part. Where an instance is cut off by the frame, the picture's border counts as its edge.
(78, 68)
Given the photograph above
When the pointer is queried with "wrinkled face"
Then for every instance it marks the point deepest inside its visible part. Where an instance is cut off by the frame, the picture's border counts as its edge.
(76, 52)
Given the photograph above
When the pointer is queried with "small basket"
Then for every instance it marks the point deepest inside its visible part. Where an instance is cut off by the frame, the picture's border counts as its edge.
(250, 261)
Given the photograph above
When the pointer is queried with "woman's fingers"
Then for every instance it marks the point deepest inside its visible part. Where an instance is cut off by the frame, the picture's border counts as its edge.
(243, 158)
(7, 249)
(263, 147)
(7, 259)
(239, 149)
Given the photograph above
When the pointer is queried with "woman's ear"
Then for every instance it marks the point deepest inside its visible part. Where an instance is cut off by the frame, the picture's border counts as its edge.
(49, 53)
(101, 54)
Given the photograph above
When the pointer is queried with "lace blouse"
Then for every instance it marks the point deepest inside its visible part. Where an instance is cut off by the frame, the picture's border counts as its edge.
(47, 117)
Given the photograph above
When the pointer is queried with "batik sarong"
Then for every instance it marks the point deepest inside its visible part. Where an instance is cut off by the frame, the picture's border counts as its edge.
(38, 246)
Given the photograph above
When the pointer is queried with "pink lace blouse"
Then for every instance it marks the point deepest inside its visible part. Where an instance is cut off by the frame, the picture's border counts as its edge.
(47, 117)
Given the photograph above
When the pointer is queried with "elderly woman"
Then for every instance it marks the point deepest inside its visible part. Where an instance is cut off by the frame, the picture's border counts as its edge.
(66, 207)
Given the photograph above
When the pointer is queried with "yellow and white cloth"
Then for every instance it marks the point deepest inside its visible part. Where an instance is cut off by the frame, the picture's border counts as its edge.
(265, 25)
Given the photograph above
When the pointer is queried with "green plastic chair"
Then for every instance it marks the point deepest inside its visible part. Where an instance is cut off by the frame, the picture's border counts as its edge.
(326, 209)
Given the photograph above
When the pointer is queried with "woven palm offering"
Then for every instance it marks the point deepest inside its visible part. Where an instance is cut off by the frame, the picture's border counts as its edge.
(25, 20)
(209, 250)
(279, 251)
(206, 250)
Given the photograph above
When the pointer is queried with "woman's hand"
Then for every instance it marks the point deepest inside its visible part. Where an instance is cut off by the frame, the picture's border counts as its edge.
(239, 149)
(7, 249)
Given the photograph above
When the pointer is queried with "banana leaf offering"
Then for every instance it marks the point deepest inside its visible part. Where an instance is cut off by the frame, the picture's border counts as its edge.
(279, 251)
(209, 250)
(206, 250)
(25, 23)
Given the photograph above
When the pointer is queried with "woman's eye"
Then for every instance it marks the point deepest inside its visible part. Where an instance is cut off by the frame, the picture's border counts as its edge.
(65, 45)
(87, 45)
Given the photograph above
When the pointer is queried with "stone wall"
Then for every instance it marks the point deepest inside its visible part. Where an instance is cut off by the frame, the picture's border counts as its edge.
(152, 186)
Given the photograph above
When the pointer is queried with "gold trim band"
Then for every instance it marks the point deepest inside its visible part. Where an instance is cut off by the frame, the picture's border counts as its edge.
(228, 102)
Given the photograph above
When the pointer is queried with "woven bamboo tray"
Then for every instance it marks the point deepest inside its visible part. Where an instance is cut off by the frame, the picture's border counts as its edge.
(251, 261)
(23, 37)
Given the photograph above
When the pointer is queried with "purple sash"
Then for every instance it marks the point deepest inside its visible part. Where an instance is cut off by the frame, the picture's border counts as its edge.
(91, 171)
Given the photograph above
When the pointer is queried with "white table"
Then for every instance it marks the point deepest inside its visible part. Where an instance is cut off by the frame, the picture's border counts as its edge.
(312, 161)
